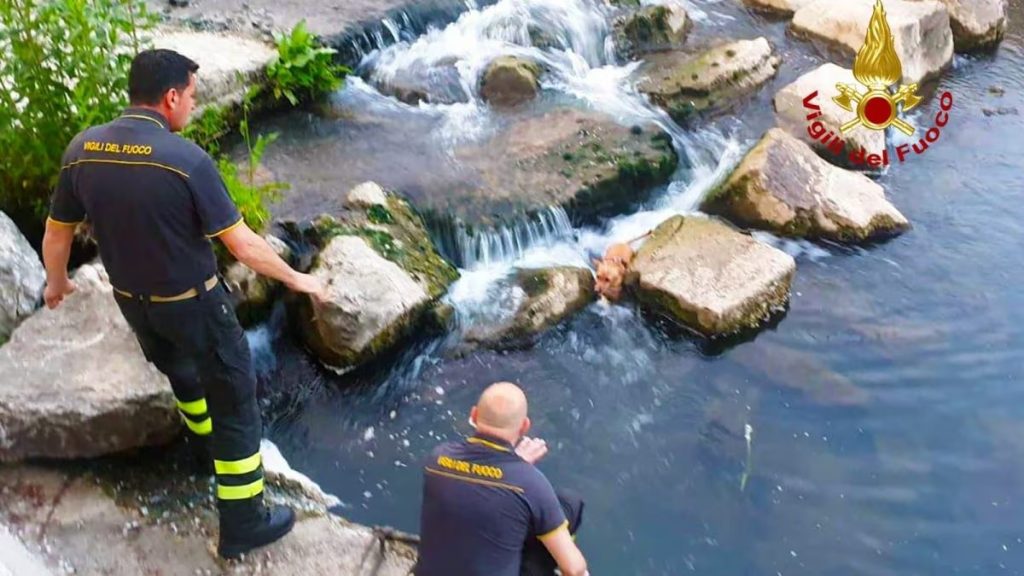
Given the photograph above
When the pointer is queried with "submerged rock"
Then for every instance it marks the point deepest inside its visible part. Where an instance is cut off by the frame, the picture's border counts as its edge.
(22, 277)
(228, 64)
(791, 114)
(782, 186)
(252, 293)
(75, 382)
(652, 29)
(510, 81)
(923, 38)
(977, 24)
(686, 85)
(709, 277)
(382, 275)
(583, 161)
(793, 369)
(780, 7)
(550, 295)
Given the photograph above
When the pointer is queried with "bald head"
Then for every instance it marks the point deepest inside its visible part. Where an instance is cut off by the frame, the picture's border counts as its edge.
(502, 407)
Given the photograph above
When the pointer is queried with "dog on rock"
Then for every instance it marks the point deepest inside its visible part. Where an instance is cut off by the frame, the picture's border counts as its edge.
(611, 270)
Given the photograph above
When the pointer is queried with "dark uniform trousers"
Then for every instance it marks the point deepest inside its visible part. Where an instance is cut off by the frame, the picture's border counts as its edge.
(202, 349)
(537, 561)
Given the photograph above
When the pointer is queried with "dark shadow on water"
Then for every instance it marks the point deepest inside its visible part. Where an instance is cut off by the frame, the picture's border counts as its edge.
(671, 329)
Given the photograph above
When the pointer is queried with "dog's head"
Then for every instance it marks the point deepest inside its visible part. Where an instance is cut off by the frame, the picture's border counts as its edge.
(609, 277)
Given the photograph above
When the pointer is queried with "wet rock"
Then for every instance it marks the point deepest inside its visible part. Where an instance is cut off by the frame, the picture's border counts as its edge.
(686, 85)
(709, 277)
(228, 64)
(549, 296)
(382, 274)
(433, 85)
(22, 277)
(977, 24)
(782, 186)
(510, 81)
(1001, 111)
(583, 161)
(252, 293)
(780, 7)
(93, 523)
(366, 195)
(791, 114)
(76, 384)
(923, 38)
(652, 29)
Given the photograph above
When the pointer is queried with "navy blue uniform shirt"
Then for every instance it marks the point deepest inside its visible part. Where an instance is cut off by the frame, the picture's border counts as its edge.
(481, 502)
(154, 200)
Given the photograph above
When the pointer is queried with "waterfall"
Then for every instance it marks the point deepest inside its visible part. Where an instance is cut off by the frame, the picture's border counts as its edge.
(573, 41)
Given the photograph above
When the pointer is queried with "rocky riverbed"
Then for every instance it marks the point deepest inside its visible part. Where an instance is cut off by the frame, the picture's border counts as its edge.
(457, 196)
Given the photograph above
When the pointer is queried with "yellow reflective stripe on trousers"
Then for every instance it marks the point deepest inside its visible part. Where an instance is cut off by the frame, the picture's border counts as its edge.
(243, 466)
(195, 407)
(240, 492)
(201, 428)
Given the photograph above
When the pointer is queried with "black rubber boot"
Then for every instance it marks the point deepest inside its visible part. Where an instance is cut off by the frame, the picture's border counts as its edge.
(248, 524)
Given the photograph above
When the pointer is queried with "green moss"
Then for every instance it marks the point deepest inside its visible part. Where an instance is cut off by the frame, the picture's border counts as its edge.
(379, 215)
(534, 282)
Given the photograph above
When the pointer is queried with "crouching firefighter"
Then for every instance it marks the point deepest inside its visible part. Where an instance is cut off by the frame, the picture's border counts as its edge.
(155, 201)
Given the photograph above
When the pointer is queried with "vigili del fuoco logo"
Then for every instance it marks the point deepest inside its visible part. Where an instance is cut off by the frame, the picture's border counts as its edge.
(874, 105)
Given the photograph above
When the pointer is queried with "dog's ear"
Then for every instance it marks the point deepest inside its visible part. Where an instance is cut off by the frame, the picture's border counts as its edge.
(597, 262)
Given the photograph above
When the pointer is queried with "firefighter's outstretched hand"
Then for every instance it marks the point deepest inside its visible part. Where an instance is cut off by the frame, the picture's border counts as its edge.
(531, 449)
(308, 284)
(54, 293)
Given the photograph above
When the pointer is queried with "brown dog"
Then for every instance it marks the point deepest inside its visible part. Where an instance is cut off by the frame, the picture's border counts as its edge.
(611, 270)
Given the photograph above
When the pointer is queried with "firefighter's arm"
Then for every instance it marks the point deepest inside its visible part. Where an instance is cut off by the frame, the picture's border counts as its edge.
(252, 250)
(565, 552)
(56, 252)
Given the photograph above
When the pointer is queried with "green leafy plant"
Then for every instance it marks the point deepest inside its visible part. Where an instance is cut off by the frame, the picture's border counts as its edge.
(303, 68)
(251, 197)
(63, 67)
(208, 128)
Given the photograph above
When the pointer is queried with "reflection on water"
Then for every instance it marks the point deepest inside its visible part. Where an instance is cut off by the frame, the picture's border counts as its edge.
(886, 405)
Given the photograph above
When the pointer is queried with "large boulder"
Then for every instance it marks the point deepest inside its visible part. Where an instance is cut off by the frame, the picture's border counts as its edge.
(583, 161)
(22, 277)
(547, 296)
(712, 81)
(782, 186)
(75, 382)
(780, 7)
(228, 64)
(382, 274)
(791, 114)
(148, 518)
(923, 38)
(652, 29)
(710, 278)
(510, 81)
(977, 24)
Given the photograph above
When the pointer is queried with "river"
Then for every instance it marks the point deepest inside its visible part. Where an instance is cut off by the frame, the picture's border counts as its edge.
(877, 428)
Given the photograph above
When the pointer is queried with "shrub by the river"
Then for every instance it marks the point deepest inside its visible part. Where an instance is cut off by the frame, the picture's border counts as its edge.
(63, 67)
(249, 194)
(303, 68)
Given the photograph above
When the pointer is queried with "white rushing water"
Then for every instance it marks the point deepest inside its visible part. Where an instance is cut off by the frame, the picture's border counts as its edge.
(573, 41)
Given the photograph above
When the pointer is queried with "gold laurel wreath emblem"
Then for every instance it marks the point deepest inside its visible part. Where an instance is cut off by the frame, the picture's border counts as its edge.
(877, 67)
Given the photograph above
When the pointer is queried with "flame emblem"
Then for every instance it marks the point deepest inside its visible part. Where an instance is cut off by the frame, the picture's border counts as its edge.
(877, 67)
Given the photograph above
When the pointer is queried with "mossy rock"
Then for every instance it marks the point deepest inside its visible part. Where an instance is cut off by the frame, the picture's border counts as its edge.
(651, 29)
(688, 86)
